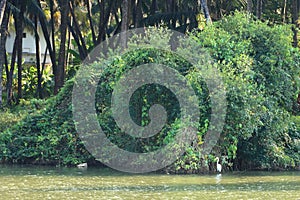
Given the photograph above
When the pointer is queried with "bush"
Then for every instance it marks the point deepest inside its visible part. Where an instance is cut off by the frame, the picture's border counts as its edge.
(261, 70)
(45, 137)
(8, 119)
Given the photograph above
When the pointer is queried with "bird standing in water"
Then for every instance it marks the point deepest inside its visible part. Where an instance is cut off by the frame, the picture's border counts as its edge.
(219, 166)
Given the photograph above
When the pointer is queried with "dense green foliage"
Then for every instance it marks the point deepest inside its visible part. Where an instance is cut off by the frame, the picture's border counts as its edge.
(260, 69)
(47, 136)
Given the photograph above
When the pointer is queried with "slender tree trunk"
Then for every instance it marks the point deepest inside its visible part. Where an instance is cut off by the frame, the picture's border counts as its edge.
(60, 75)
(78, 32)
(206, 11)
(10, 73)
(38, 59)
(174, 10)
(283, 11)
(68, 48)
(101, 27)
(259, 9)
(138, 14)
(249, 6)
(3, 37)
(153, 7)
(2, 10)
(19, 32)
(50, 47)
(104, 18)
(294, 21)
(124, 23)
(168, 6)
(76, 39)
(53, 31)
(44, 61)
(88, 5)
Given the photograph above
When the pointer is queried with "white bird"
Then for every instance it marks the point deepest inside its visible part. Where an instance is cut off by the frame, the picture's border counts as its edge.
(82, 166)
(219, 166)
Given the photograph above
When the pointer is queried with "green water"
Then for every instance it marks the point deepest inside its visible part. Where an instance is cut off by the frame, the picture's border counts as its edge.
(70, 183)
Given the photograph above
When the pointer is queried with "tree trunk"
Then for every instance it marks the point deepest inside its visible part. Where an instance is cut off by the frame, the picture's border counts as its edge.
(50, 47)
(19, 36)
(138, 14)
(53, 60)
(153, 7)
(167, 6)
(3, 36)
(78, 32)
(104, 17)
(205, 11)
(283, 11)
(88, 5)
(77, 41)
(124, 23)
(259, 9)
(294, 21)
(2, 10)
(249, 6)
(10, 73)
(38, 59)
(60, 72)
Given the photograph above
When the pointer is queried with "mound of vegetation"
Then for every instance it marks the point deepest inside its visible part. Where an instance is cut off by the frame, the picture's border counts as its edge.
(46, 136)
(260, 70)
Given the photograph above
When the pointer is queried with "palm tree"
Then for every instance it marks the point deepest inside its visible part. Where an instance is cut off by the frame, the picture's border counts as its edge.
(249, 6)
(19, 42)
(60, 71)
(4, 18)
(259, 5)
(20, 9)
(206, 11)
(124, 24)
(295, 17)
(2, 9)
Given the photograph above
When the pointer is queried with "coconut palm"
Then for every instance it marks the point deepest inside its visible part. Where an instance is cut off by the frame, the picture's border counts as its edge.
(3, 28)
(2, 9)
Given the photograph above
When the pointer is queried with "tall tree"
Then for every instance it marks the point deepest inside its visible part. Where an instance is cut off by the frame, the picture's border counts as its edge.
(249, 6)
(52, 21)
(3, 36)
(19, 40)
(105, 13)
(124, 24)
(90, 18)
(10, 72)
(283, 11)
(50, 42)
(295, 16)
(2, 9)
(38, 58)
(77, 33)
(206, 11)
(138, 14)
(259, 4)
(60, 71)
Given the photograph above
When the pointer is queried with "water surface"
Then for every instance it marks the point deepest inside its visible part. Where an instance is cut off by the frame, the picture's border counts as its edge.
(31, 182)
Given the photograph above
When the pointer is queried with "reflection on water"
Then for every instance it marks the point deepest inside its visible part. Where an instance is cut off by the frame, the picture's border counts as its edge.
(218, 178)
(72, 183)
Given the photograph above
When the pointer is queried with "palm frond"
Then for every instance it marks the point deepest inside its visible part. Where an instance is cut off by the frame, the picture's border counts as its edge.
(27, 22)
